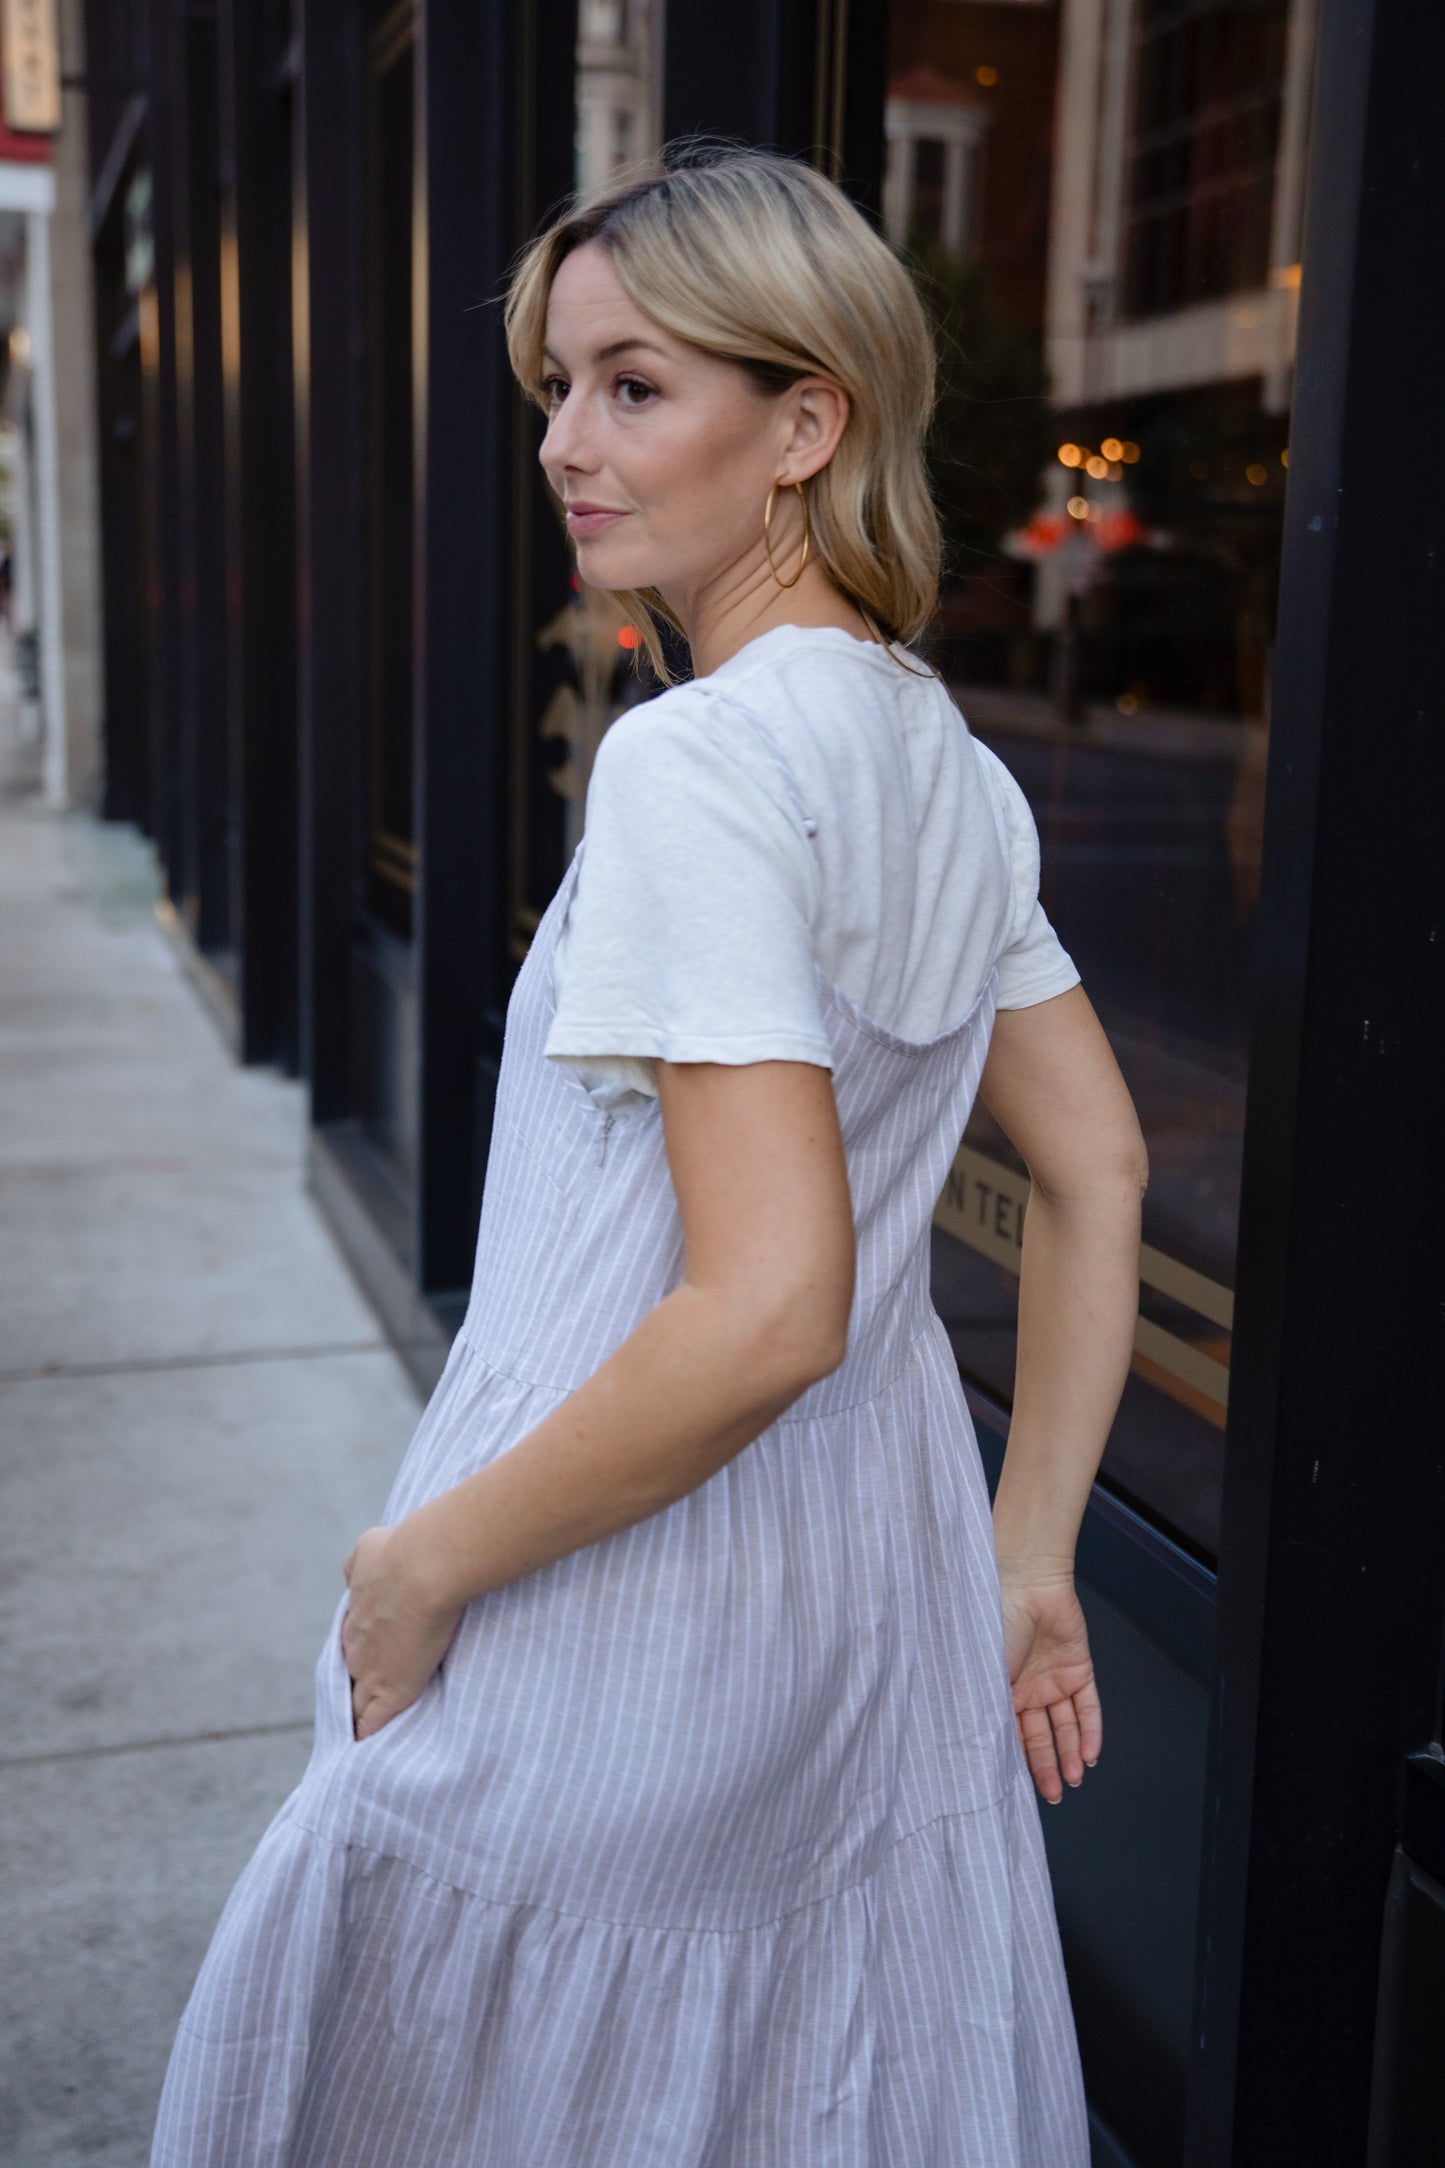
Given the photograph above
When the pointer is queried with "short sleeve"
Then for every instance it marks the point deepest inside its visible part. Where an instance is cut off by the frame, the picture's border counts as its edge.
(1033, 964)
(688, 934)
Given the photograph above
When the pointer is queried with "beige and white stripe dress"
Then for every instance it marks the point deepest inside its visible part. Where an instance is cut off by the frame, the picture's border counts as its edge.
(711, 1845)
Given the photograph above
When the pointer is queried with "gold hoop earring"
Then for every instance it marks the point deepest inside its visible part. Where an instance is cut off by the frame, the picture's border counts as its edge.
(768, 535)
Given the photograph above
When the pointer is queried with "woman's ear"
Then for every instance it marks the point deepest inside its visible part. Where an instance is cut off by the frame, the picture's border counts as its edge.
(820, 415)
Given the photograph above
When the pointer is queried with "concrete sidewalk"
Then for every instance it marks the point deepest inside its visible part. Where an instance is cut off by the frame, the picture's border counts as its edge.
(198, 1415)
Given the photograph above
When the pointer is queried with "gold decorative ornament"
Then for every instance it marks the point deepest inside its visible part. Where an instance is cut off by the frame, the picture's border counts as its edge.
(768, 535)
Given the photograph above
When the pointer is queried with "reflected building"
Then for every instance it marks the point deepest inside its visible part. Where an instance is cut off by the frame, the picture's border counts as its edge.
(1105, 203)
(617, 128)
(618, 122)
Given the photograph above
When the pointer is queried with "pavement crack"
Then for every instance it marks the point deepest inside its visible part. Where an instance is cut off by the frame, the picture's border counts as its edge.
(134, 1365)
(152, 1746)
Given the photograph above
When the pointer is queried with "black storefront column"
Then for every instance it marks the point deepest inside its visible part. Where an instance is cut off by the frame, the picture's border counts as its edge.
(115, 127)
(496, 113)
(255, 71)
(128, 789)
(1332, 1570)
(424, 141)
(192, 248)
(326, 337)
(206, 752)
(160, 483)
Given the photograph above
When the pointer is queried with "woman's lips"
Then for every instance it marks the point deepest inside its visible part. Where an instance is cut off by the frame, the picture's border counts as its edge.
(588, 519)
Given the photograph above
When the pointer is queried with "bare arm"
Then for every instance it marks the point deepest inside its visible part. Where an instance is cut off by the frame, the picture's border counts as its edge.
(757, 1164)
(1053, 1086)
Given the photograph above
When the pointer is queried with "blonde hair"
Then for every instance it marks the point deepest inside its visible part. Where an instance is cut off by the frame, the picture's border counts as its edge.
(758, 259)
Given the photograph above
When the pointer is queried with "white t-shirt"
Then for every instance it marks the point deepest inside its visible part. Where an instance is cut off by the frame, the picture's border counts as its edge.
(702, 899)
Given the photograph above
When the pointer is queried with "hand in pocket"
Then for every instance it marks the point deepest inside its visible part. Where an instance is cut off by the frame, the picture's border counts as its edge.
(392, 1636)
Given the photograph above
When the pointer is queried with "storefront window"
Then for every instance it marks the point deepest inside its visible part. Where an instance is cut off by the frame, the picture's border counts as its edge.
(1103, 204)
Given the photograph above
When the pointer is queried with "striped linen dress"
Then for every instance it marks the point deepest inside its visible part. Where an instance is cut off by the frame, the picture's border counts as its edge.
(711, 1845)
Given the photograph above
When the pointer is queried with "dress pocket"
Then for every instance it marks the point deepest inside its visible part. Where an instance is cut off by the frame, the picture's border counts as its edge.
(336, 1709)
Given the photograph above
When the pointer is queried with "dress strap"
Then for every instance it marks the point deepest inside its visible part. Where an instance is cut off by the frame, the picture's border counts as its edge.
(775, 751)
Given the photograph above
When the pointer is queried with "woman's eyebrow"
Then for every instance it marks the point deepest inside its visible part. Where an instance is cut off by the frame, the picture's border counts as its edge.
(609, 353)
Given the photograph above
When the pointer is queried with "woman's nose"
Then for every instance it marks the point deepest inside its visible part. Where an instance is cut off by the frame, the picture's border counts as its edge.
(564, 446)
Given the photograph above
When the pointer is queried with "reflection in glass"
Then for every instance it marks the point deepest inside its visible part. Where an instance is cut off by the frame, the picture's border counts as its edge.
(616, 88)
(592, 655)
(1103, 205)
(604, 678)
(1202, 153)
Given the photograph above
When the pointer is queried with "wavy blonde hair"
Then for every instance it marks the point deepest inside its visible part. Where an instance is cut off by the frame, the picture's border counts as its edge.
(756, 258)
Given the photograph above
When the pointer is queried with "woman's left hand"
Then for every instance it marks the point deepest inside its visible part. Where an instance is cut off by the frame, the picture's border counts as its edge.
(1056, 1699)
(393, 1635)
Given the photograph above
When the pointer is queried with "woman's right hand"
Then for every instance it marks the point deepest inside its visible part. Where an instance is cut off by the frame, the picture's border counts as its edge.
(394, 1631)
(1052, 1674)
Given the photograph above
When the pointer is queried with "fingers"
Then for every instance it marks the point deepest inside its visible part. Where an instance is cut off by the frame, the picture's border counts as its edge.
(368, 1712)
(1066, 1740)
(1038, 1742)
(1091, 1723)
(368, 1540)
(371, 1713)
(1061, 1741)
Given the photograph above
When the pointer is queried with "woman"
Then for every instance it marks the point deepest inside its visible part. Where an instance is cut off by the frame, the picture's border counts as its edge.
(670, 1804)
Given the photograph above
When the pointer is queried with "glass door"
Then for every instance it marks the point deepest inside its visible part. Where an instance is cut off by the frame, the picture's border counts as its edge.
(1102, 200)
(1104, 206)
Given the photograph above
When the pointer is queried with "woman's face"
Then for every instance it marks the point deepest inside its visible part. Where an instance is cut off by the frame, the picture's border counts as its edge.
(663, 454)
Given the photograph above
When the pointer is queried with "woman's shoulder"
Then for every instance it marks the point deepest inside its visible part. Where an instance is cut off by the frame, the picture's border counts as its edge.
(699, 737)
(812, 666)
(810, 717)
(684, 765)
(844, 712)
(1005, 794)
(672, 719)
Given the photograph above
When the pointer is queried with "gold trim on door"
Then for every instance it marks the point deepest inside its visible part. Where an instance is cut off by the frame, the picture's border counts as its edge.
(830, 84)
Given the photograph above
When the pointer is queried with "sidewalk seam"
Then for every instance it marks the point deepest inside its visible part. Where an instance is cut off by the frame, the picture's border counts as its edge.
(152, 1746)
(133, 1365)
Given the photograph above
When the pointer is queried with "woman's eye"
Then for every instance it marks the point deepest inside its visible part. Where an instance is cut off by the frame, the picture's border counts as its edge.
(633, 392)
(552, 389)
